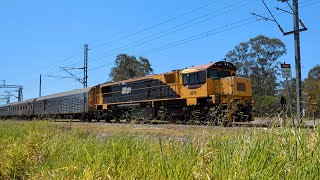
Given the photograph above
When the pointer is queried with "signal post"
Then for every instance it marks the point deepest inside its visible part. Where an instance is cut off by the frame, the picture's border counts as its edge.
(286, 73)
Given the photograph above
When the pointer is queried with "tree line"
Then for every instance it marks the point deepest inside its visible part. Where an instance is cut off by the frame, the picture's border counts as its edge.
(257, 59)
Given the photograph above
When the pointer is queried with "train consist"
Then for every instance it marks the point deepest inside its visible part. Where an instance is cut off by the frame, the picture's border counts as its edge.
(207, 93)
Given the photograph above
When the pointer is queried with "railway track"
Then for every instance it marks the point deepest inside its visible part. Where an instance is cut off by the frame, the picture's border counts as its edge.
(257, 123)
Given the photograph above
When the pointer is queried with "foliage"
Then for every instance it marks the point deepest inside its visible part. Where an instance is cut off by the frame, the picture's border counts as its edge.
(257, 59)
(267, 106)
(312, 85)
(314, 73)
(127, 67)
(289, 86)
(42, 150)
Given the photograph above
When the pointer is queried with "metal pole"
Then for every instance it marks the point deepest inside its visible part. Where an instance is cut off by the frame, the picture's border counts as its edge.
(20, 96)
(40, 87)
(289, 99)
(297, 59)
(85, 69)
(314, 120)
(9, 96)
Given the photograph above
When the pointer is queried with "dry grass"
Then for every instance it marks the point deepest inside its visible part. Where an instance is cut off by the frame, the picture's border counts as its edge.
(47, 150)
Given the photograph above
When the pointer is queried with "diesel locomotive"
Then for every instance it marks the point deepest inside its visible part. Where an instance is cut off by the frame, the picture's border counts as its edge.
(210, 93)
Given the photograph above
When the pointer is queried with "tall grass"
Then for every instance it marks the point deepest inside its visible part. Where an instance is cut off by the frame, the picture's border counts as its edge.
(44, 150)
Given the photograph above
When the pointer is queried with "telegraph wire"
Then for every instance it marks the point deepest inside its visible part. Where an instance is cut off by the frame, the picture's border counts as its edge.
(154, 26)
(109, 53)
(202, 35)
(169, 31)
(189, 39)
(183, 41)
(198, 36)
(143, 30)
(78, 53)
(185, 23)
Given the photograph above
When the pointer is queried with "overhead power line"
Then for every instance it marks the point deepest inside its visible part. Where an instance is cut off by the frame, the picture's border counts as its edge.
(172, 30)
(154, 26)
(305, 3)
(295, 12)
(198, 36)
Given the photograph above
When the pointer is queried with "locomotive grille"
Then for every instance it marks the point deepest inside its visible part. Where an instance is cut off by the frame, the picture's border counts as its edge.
(241, 87)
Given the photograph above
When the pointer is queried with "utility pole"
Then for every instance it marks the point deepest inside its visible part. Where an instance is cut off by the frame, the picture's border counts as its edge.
(20, 95)
(297, 58)
(85, 69)
(40, 87)
(296, 31)
(83, 80)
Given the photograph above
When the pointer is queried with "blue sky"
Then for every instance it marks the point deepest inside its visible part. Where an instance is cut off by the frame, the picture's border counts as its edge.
(38, 37)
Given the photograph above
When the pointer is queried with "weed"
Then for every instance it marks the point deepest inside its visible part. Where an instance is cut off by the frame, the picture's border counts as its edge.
(47, 150)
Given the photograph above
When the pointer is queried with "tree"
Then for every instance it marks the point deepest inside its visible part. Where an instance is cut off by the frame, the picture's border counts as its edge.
(127, 67)
(267, 106)
(289, 85)
(312, 85)
(315, 72)
(257, 59)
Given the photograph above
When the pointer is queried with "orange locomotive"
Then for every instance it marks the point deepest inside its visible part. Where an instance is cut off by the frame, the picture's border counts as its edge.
(207, 93)
(210, 93)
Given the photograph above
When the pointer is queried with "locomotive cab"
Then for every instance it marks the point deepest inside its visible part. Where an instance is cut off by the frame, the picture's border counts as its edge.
(197, 81)
(216, 84)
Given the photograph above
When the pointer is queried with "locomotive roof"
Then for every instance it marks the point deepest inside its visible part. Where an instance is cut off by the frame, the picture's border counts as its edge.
(219, 64)
(77, 91)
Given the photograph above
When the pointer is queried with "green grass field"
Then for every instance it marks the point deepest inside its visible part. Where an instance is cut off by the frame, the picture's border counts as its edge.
(47, 150)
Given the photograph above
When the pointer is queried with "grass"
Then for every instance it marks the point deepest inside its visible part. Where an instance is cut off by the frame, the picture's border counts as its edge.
(46, 150)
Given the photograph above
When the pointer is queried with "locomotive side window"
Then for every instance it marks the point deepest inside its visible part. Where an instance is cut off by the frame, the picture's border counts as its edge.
(185, 78)
(202, 77)
(228, 73)
(222, 73)
(194, 78)
(212, 73)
